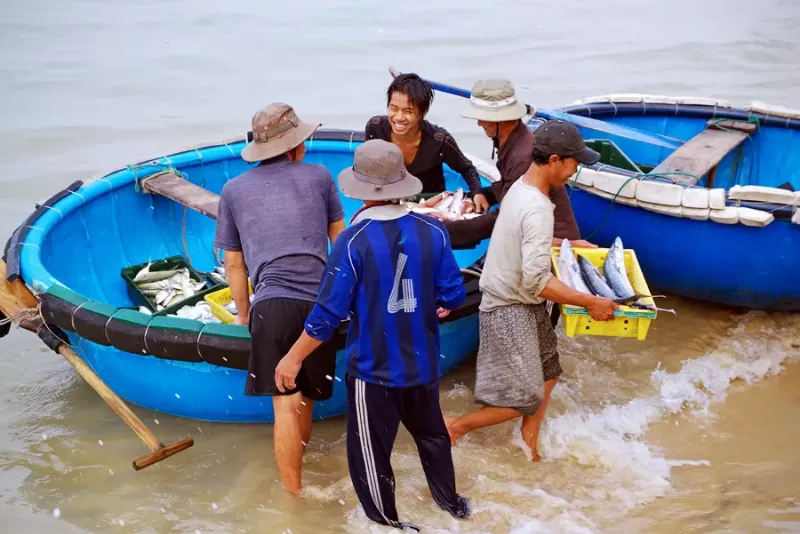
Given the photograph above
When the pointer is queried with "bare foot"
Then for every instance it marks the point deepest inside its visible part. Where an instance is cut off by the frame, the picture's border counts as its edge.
(535, 456)
(449, 422)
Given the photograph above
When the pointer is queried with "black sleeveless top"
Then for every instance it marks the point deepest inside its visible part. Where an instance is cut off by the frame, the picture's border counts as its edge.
(437, 146)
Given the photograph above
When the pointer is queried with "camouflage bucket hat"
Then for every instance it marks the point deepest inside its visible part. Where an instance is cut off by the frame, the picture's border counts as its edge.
(494, 101)
(276, 130)
(378, 173)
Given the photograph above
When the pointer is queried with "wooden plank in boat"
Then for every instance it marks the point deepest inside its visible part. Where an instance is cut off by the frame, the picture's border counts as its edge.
(175, 188)
(703, 152)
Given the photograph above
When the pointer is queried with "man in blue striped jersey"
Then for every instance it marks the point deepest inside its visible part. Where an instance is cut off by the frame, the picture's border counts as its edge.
(393, 272)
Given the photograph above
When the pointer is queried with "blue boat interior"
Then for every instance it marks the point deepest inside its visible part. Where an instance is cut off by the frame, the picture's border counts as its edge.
(122, 226)
(770, 157)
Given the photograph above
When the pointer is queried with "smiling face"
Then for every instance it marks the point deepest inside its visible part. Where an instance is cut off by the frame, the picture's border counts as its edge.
(404, 116)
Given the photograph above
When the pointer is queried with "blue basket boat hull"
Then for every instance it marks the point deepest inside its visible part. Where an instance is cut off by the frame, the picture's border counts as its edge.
(83, 240)
(733, 265)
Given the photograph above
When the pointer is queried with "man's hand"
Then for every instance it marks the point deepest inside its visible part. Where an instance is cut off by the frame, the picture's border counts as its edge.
(580, 243)
(242, 320)
(442, 313)
(602, 309)
(481, 204)
(286, 373)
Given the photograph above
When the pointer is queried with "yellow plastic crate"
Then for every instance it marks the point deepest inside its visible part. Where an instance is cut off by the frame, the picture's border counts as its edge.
(218, 299)
(628, 321)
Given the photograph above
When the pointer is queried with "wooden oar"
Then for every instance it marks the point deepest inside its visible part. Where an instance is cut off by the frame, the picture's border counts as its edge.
(15, 297)
(586, 122)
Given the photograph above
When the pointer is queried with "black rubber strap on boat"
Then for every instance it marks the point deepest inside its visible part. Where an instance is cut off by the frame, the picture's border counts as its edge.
(13, 245)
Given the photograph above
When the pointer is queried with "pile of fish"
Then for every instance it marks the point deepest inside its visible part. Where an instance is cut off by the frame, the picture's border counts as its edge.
(582, 276)
(452, 206)
(166, 288)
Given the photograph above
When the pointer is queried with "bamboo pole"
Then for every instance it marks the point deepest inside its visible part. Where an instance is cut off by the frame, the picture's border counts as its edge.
(15, 297)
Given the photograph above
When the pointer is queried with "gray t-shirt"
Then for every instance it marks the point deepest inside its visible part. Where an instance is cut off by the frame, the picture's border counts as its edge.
(278, 214)
(517, 263)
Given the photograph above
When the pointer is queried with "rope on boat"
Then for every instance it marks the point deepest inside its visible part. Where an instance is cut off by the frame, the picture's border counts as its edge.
(24, 315)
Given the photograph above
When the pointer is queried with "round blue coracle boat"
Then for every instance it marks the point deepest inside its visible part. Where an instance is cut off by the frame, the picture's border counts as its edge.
(711, 210)
(75, 248)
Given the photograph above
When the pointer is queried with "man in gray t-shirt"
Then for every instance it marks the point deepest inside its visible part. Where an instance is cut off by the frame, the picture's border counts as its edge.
(274, 223)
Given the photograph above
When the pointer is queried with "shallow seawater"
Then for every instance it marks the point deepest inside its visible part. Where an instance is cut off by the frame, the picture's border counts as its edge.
(693, 430)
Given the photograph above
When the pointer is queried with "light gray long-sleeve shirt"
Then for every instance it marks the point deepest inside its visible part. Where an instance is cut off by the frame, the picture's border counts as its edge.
(518, 260)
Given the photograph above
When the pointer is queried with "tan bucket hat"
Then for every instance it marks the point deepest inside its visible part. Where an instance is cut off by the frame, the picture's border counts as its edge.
(378, 173)
(494, 101)
(276, 130)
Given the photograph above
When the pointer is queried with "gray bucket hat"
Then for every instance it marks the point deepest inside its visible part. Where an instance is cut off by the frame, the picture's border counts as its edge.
(276, 130)
(378, 173)
(494, 101)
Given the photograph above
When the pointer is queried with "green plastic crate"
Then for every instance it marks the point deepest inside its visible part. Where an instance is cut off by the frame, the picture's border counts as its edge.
(167, 264)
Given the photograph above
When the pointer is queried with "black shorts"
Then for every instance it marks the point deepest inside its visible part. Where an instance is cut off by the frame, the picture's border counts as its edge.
(275, 325)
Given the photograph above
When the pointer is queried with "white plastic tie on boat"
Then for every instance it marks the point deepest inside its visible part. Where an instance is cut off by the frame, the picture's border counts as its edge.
(619, 200)
(773, 110)
(716, 199)
(616, 184)
(105, 328)
(673, 211)
(61, 215)
(72, 317)
(83, 199)
(727, 215)
(656, 192)
(758, 193)
(753, 217)
(796, 216)
(696, 214)
(484, 168)
(695, 197)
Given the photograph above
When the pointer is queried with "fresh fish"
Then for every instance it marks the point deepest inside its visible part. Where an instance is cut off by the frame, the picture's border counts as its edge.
(594, 280)
(645, 306)
(432, 201)
(424, 211)
(566, 257)
(218, 278)
(161, 296)
(155, 276)
(161, 284)
(219, 270)
(145, 310)
(199, 285)
(142, 273)
(177, 297)
(187, 288)
(444, 204)
(457, 202)
(617, 276)
(150, 292)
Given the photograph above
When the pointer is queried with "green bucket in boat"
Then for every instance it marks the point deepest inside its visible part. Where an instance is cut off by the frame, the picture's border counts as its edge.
(167, 264)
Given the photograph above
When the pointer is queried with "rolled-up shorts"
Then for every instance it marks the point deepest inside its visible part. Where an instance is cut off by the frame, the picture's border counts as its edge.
(275, 325)
(516, 356)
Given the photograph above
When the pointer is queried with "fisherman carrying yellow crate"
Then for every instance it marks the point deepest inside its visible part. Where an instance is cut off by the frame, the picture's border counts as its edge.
(518, 364)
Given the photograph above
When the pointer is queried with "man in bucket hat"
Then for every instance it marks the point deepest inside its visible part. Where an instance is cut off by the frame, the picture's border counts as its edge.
(518, 363)
(494, 105)
(392, 272)
(274, 222)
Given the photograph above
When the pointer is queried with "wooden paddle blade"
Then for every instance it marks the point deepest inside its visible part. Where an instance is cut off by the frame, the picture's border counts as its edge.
(159, 454)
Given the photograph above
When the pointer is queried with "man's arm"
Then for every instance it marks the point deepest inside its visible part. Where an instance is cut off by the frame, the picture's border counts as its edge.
(450, 291)
(227, 238)
(334, 302)
(335, 211)
(334, 229)
(236, 272)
